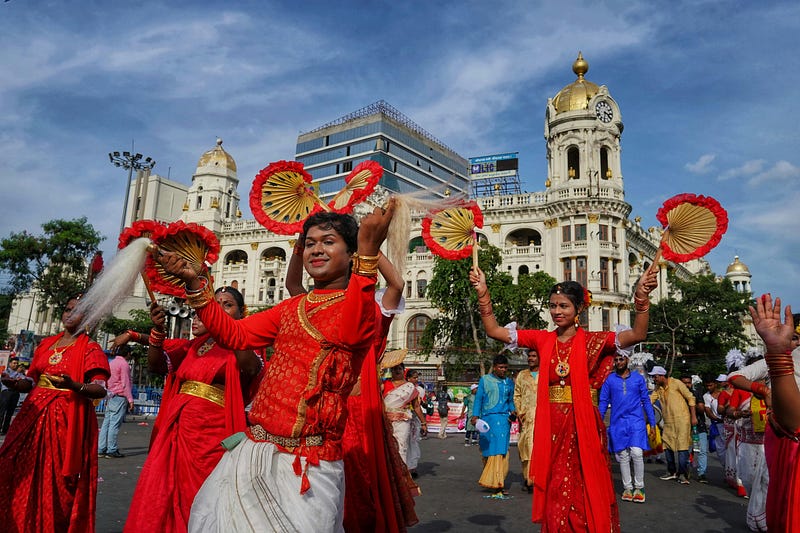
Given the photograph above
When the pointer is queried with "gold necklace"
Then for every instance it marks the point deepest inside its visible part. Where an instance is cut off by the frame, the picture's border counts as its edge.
(205, 347)
(314, 299)
(57, 355)
(562, 368)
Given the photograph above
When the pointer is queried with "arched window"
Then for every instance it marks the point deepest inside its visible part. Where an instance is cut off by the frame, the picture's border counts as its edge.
(422, 283)
(416, 326)
(573, 163)
(236, 257)
(605, 170)
(524, 270)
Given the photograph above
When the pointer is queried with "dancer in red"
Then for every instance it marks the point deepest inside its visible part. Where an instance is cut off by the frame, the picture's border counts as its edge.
(49, 458)
(572, 487)
(299, 412)
(205, 393)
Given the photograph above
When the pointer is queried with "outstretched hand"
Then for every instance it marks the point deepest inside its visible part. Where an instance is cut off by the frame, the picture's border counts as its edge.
(373, 228)
(158, 315)
(478, 280)
(649, 281)
(766, 316)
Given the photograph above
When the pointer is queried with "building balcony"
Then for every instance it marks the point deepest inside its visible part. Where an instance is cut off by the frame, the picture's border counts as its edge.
(271, 266)
(234, 268)
(527, 251)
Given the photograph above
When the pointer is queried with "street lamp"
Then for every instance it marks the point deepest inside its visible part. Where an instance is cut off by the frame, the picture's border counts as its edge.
(130, 162)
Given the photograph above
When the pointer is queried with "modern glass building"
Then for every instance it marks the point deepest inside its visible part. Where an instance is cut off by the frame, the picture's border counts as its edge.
(412, 159)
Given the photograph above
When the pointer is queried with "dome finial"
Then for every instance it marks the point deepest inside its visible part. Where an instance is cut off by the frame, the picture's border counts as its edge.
(219, 142)
(580, 66)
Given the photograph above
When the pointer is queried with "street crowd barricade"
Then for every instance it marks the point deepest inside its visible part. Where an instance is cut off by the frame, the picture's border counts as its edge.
(453, 413)
(146, 402)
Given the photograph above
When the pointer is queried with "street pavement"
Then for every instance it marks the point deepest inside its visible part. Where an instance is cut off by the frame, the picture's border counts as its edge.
(453, 501)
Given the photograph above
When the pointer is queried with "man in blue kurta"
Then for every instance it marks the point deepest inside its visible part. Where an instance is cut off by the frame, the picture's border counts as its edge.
(494, 404)
(626, 393)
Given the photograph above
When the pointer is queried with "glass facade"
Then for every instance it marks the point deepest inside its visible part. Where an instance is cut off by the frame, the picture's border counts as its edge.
(410, 163)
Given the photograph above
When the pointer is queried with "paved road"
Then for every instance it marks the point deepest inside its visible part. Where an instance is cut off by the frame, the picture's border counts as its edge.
(453, 501)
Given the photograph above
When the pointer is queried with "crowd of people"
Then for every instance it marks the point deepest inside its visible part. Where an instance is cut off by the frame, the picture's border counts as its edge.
(326, 445)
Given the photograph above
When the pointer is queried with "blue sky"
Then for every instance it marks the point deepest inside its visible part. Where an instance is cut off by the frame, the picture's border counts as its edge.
(705, 90)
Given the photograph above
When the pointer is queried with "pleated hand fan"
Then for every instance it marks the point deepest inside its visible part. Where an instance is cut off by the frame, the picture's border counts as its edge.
(693, 225)
(282, 198)
(194, 243)
(450, 233)
(359, 184)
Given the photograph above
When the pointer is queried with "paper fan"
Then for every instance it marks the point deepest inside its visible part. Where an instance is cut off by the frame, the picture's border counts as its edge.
(693, 225)
(281, 198)
(360, 183)
(450, 233)
(137, 230)
(198, 245)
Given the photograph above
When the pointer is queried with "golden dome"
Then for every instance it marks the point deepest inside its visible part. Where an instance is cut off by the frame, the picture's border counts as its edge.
(217, 157)
(577, 94)
(737, 267)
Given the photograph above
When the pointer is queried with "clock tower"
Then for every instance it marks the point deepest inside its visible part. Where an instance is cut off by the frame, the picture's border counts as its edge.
(588, 214)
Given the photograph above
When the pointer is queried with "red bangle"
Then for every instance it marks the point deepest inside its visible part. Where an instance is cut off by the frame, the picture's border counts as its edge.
(135, 337)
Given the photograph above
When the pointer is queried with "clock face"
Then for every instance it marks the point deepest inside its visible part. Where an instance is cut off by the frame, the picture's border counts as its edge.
(604, 111)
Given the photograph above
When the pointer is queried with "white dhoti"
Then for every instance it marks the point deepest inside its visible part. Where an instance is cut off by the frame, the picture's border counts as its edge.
(254, 488)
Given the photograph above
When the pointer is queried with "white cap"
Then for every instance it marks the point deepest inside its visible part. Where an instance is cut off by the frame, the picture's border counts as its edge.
(658, 371)
(473, 386)
(481, 425)
(722, 377)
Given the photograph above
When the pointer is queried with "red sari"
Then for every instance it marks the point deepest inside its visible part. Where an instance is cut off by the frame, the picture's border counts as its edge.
(782, 450)
(48, 462)
(185, 446)
(572, 478)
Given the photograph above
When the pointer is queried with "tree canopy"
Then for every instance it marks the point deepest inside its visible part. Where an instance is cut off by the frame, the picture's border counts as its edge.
(701, 315)
(457, 333)
(54, 263)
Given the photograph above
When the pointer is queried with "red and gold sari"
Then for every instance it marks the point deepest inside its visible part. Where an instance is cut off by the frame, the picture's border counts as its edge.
(48, 462)
(572, 475)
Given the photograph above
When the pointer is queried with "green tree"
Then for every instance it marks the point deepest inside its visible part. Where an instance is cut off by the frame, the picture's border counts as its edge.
(701, 315)
(54, 263)
(457, 332)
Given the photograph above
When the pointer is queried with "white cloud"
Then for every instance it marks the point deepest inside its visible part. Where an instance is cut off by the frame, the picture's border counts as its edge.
(781, 171)
(702, 165)
(747, 169)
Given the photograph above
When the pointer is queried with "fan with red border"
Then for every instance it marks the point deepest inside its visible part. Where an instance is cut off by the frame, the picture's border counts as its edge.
(139, 229)
(359, 184)
(282, 198)
(693, 225)
(194, 243)
(450, 233)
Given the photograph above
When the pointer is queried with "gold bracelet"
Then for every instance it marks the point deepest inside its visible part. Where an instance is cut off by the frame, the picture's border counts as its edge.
(641, 309)
(366, 265)
(200, 299)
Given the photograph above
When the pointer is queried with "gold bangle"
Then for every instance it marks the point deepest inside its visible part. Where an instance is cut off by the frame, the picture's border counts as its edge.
(366, 265)
(201, 298)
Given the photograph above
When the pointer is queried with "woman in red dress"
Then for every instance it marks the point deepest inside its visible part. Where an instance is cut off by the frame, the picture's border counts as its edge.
(48, 462)
(572, 478)
(204, 397)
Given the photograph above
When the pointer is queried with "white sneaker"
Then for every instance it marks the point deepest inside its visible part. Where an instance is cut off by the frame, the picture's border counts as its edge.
(669, 476)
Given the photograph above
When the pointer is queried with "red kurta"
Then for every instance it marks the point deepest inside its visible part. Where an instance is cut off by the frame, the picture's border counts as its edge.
(319, 349)
(572, 473)
(48, 462)
(185, 446)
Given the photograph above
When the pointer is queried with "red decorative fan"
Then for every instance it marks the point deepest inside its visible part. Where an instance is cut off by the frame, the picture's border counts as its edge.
(198, 245)
(693, 225)
(450, 233)
(137, 230)
(282, 199)
(360, 183)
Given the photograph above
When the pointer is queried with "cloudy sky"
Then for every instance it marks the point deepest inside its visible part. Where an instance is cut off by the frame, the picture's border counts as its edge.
(705, 89)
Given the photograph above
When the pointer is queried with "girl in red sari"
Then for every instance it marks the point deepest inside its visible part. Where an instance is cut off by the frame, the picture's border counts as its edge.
(203, 403)
(48, 462)
(572, 476)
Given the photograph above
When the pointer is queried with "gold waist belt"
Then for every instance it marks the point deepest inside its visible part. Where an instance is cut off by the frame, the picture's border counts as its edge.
(203, 390)
(45, 383)
(563, 394)
(260, 434)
